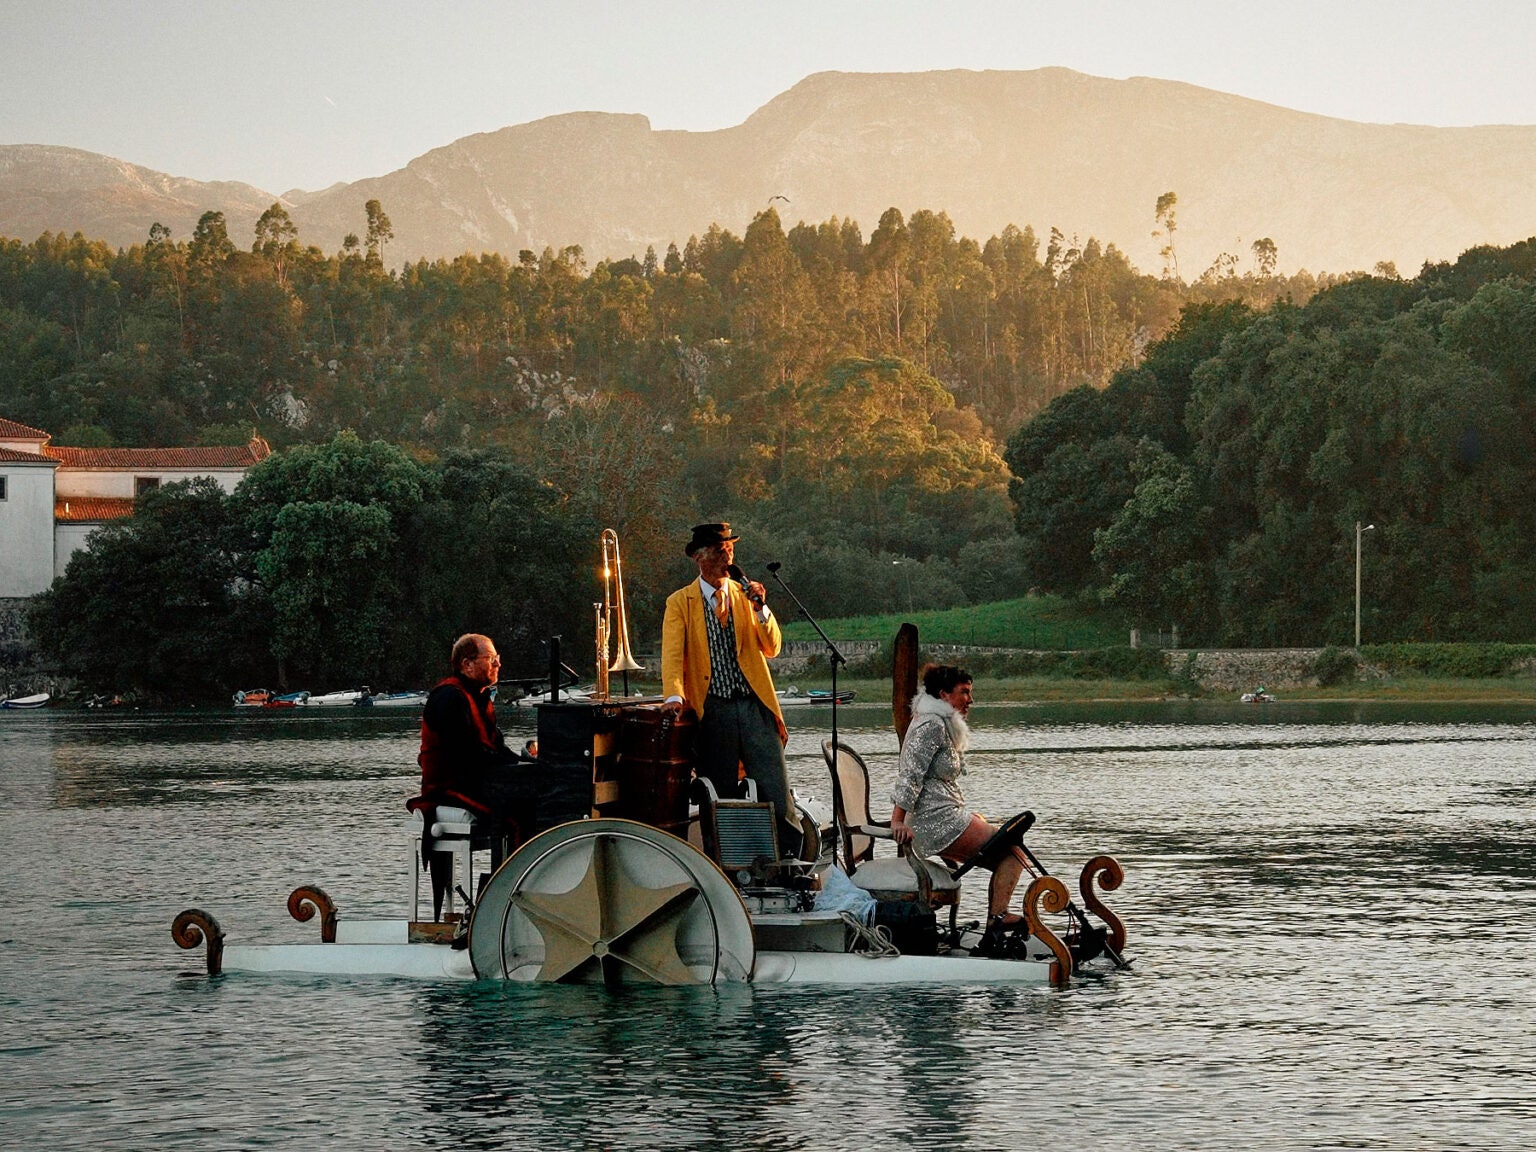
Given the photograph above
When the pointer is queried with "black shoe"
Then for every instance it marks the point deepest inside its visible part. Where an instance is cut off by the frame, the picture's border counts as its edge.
(1086, 944)
(993, 942)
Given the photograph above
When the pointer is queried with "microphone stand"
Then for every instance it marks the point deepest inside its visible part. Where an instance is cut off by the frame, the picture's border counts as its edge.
(833, 654)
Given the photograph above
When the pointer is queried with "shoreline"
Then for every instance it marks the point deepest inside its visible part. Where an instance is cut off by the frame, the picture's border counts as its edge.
(1032, 690)
(1004, 690)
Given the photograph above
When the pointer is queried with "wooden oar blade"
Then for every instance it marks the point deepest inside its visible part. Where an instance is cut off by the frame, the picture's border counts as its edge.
(904, 678)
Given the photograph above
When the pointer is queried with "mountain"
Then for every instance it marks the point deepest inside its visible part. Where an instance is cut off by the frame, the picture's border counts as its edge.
(1045, 148)
(48, 189)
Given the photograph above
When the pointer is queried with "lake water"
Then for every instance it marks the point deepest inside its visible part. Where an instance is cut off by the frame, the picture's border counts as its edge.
(1332, 913)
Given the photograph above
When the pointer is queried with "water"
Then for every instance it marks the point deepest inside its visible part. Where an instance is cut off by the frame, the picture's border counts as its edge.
(1331, 910)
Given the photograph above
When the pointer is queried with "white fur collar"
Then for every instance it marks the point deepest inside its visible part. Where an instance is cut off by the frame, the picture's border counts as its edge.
(926, 705)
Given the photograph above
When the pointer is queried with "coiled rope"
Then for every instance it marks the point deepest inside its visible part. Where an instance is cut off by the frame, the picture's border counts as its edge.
(872, 943)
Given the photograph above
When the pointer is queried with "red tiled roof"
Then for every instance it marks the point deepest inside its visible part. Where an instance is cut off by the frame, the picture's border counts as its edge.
(156, 459)
(84, 508)
(12, 456)
(10, 430)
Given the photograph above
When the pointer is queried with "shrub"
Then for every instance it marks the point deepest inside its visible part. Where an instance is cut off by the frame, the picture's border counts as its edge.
(1335, 665)
(1452, 661)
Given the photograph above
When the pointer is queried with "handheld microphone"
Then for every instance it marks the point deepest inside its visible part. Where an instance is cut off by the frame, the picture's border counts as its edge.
(774, 566)
(736, 574)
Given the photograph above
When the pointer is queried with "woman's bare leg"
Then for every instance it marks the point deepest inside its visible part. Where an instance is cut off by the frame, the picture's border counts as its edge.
(1005, 876)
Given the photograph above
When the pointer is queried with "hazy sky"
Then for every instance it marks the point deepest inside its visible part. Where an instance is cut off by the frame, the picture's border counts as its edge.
(303, 93)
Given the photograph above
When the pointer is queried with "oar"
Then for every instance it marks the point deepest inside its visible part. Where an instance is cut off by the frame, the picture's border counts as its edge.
(1082, 920)
(904, 679)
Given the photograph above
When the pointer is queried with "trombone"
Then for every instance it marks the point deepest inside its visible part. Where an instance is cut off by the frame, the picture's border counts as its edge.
(612, 619)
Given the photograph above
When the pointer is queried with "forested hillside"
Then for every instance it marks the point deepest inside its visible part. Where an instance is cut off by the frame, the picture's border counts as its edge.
(844, 397)
(1194, 454)
(1218, 484)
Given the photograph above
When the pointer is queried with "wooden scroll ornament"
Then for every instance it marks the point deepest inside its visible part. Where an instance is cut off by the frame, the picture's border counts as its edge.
(1052, 894)
(307, 899)
(1107, 871)
(193, 927)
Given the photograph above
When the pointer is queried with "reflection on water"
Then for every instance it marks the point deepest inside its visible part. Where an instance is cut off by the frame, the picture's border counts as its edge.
(1331, 908)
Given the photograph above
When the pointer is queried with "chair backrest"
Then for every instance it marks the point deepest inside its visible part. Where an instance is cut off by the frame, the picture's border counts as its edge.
(738, 835)
(850, 801)
(745, 836)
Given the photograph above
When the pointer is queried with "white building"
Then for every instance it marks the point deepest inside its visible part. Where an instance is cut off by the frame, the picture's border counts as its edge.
(52, 499)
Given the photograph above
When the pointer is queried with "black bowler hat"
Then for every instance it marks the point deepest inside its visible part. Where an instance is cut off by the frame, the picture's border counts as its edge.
(708, 535)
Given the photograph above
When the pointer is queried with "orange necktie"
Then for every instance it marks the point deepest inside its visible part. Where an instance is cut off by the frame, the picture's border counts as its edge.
(722, 608)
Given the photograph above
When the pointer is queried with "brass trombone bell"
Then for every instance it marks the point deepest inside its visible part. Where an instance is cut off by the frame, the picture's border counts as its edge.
(612, 619)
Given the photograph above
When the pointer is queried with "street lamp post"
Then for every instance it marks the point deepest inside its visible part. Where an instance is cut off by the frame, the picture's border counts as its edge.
(1359, 531)
(904, 566)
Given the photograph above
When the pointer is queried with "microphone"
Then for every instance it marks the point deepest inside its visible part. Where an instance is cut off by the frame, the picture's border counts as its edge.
(774, 565)
(736, 574)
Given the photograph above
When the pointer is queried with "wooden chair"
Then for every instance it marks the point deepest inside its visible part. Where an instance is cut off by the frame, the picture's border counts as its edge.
(901, 877)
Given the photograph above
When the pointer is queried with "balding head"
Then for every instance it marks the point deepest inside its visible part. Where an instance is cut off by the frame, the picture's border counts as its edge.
(474, 658)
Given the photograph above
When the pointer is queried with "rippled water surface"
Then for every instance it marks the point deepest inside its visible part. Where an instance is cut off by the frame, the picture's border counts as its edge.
(1332, 912)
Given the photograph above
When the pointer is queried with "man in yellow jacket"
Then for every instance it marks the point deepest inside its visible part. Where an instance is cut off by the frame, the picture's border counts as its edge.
(716, 640)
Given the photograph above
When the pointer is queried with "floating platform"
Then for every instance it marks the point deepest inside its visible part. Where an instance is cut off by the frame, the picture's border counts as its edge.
(618, 902)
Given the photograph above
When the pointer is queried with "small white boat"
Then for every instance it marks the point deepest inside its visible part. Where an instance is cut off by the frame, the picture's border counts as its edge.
(793, 697)
(393, 700)
(36, 700)
(533, 698)
(336, 699)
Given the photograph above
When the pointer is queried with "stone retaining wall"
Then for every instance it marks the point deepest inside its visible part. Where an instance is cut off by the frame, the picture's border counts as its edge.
(1243, 669)
(799, 655)
(1216, 670)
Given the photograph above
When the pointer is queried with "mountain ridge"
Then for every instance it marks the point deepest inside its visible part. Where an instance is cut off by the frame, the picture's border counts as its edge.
(1044, 148)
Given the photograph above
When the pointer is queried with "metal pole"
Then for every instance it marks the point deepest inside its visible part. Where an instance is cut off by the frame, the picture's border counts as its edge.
(1358, 531)
(1357, 583)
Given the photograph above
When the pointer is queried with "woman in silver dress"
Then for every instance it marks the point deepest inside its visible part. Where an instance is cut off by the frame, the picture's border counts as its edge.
(929, 809)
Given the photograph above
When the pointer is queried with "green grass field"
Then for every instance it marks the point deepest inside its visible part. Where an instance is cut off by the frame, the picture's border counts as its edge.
(1043, 622)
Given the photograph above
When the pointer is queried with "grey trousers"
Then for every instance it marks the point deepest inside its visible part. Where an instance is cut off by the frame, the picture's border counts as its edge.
(742, 730)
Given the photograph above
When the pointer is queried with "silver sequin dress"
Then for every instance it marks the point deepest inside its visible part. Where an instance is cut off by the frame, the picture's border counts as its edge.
(927, 783)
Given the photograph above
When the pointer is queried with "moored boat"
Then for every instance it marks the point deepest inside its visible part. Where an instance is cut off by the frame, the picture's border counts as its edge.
(393, 700)
(335, 699)
(793, 697)
(533, 699)
(36, 700)
(268, 699)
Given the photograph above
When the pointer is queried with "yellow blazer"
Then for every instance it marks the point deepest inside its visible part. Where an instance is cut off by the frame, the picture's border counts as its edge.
(685, 647)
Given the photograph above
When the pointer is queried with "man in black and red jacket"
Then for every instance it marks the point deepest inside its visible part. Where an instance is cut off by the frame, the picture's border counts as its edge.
(465, 761)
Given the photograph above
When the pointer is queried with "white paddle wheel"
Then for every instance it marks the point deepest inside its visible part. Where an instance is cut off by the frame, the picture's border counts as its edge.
(613, 902)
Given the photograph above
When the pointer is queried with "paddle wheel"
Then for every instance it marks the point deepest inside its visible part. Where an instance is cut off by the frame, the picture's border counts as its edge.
(612, 902)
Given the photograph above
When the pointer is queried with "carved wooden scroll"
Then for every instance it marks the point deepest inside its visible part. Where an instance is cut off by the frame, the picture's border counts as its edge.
(1052, 894)
(307, 899)
(193, 927)
(1107, 871)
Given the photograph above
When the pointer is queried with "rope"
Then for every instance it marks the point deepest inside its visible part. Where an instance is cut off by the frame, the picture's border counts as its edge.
(870, 943)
